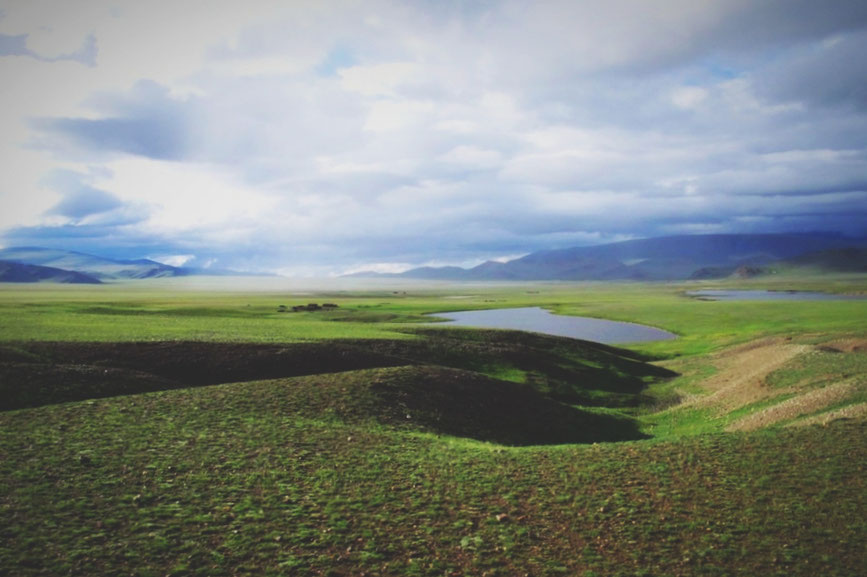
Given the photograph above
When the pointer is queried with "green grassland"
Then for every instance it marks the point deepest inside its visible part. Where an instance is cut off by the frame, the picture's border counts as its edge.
(155, 428)
(160, 311)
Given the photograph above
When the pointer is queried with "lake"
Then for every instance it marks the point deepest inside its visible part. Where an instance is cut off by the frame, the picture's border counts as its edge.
(765, 295)
(538, 320)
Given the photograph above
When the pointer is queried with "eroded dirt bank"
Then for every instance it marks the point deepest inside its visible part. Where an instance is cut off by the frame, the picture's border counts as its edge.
(826, 390)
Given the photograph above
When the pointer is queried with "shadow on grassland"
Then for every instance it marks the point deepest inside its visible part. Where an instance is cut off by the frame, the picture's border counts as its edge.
(501, 386)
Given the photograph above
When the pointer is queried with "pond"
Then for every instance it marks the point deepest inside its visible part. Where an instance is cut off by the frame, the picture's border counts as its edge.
(765, 295)
(539, 320)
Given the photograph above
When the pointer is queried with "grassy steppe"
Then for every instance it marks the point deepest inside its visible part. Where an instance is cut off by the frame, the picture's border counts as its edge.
(354, 442)
(172, 311)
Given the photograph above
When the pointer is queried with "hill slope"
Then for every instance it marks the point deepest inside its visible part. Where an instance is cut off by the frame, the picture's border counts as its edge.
(446, 401)
(566, 370)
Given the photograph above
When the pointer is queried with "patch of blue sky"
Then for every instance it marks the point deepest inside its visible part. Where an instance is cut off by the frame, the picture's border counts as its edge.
(719, 70)
(340, 56)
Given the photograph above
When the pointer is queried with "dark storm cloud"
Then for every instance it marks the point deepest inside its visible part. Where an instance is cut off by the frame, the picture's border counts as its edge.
(102, 240)
(758, 24)
(16, 45)
(81, 200)
(146, 122)
(86, 202)
(86, 54)
(151, 136)
(827, 76)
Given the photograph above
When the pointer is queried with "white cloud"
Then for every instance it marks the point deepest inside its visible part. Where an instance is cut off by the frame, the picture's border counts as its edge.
(184, 198)
(313, 135)
(394, 115)
(173, 259)
(381, 267)
(472, 157)
(689, 97)
(378, 79)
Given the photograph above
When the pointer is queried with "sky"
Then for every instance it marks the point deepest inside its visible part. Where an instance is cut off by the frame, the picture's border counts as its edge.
(325, 137)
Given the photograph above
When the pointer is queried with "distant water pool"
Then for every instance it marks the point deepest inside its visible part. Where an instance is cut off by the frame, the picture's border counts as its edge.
(538, 320)
(765, 295)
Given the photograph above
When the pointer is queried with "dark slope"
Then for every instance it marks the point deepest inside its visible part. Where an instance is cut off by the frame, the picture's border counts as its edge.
(568, 370)
(446, 401)
(34, 374)
(836, 260)
(29, 273)
(427, 384)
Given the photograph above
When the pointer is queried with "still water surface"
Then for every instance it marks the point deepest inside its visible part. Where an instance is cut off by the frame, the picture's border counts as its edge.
(539, 320)
(763, 295)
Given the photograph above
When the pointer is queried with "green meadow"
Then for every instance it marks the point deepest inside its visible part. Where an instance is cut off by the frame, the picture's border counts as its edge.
(173, 310)
(174, 428)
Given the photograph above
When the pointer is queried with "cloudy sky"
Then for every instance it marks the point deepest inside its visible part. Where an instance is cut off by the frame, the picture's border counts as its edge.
(314, 138)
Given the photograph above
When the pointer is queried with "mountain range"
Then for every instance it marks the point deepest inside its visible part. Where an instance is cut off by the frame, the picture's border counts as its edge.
(666, 258)
(18, 272)
(37, 264)
(662, 258)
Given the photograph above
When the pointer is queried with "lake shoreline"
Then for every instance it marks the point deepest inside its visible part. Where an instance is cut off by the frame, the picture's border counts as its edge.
(727, 295)
(539, 320)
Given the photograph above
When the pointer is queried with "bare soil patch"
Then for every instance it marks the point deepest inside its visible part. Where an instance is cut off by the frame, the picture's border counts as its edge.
(795, 407)
(741, 373)
(850, 412)
(741, 380)
(846, 346)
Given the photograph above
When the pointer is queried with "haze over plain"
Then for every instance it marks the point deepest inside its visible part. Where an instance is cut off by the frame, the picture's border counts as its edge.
(329, 137)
